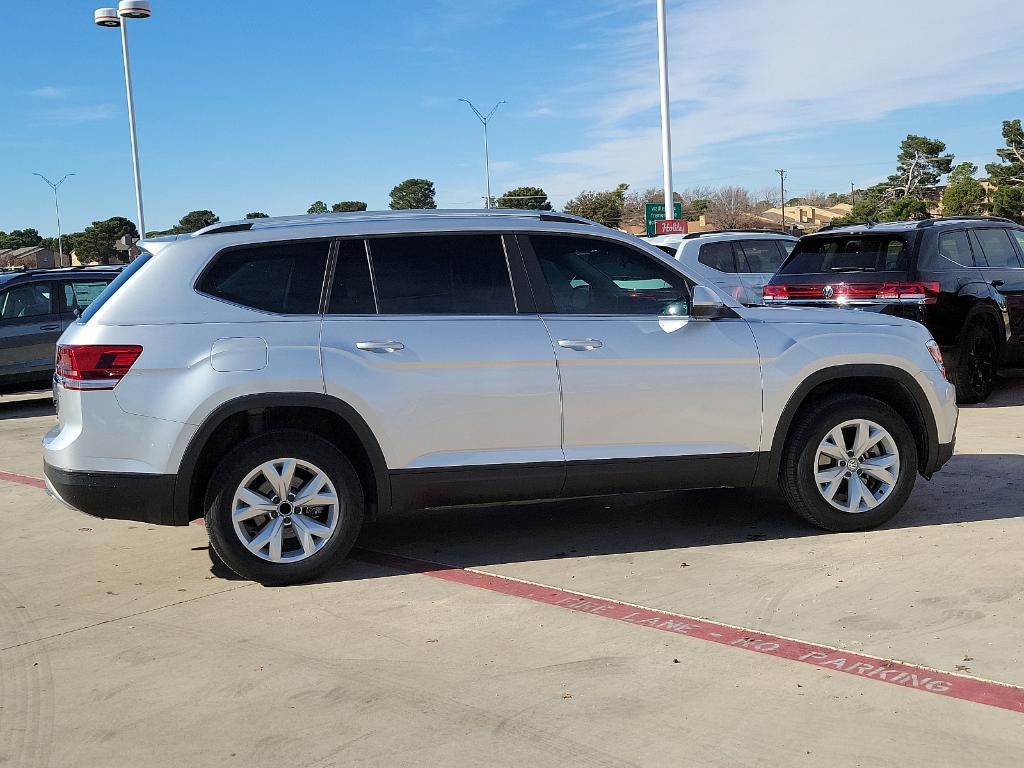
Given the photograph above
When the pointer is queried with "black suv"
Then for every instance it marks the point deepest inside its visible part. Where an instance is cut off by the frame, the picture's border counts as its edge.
(36, 306)
(963, 278)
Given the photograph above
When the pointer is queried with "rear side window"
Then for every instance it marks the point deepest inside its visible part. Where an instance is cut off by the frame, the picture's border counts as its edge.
(851, 253)
(954, 247)
(718, 256)
(28, 300)
(287, 278)
(762, 256)
(442, 275)
(351, 287)
(997, 248)
(81, 293)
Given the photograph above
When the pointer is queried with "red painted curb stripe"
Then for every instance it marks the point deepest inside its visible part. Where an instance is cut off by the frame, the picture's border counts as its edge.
(919, 678)
(978, 691)
(13, 477)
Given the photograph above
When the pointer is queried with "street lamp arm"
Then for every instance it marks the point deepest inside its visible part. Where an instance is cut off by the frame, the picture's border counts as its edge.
(476, 111)
(489, 114)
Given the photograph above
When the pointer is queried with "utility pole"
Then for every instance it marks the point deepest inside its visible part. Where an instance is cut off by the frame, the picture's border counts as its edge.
(782, 186)
(853, 194)
(666, 127)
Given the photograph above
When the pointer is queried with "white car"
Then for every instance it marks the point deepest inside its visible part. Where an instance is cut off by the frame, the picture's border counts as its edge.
(288, 378)
(737, 261)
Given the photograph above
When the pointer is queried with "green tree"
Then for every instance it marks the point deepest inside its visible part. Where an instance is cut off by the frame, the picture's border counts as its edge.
(20, 238)
(964, 196)
(602, 207)
(528, 198)
(348, 205)
(257, 215)
(96, 243)
(1009, 203)
(318, 207)
(1010, 172)
(413, 193)
(919, 163)
(193, 221)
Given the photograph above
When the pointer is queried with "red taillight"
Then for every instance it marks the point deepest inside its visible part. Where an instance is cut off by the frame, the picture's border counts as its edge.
(843, 293)
(94, 366)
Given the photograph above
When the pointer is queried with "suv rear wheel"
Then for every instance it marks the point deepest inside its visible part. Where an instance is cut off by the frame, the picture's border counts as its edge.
(849, 464)
(283, 506)
(976, 362)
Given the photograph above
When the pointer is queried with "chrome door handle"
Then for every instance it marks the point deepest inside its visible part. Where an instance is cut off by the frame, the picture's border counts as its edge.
(380, 346)
(50, 327)
(580, 345)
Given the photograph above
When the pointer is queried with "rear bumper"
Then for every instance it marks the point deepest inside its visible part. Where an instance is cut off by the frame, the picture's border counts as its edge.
(144, 498)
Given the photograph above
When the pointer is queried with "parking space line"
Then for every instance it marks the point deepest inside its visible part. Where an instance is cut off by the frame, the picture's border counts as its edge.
(912, 676)
(957, 686)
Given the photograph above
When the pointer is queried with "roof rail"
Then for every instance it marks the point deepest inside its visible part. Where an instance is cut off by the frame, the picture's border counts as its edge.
(218, 229)
(765, 231)
(937, 219)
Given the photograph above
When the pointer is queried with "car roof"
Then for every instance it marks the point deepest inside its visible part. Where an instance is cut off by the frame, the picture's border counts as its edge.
(8, 276)
(907, 226)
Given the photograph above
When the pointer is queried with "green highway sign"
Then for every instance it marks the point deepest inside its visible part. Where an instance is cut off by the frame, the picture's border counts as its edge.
(656, 212)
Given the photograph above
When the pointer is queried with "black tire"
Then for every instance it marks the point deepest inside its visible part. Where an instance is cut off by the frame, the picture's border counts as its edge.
(809, 429)
(976, 361)
(248, 456)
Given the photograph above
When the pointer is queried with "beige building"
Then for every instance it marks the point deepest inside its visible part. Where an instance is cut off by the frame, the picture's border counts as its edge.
(806, 218)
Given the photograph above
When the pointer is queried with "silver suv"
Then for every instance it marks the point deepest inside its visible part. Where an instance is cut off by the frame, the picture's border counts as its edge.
(289, 378)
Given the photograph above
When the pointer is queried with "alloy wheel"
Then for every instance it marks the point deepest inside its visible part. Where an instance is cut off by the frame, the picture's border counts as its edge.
(285, 510)
(856, 466)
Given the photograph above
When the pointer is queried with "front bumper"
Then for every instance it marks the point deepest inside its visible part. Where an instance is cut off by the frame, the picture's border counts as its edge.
(942, 455)
(144, 498)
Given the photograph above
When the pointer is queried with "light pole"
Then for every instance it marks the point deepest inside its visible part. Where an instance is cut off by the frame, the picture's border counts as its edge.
(666, 127)
(487, 159)
(116, 17)
(56, 206)
(782, 190)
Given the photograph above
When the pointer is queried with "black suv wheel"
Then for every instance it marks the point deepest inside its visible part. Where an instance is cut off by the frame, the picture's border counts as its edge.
(976, 363)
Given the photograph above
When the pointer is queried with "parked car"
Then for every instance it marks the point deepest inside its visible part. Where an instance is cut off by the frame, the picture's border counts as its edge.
(288, 378)
(963, 278)
(741, 262)
(36, 305)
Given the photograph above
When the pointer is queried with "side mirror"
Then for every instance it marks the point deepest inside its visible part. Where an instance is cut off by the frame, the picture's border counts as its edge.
(706, 305)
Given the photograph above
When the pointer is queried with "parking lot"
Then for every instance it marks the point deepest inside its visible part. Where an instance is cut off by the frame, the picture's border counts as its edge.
(705, 628)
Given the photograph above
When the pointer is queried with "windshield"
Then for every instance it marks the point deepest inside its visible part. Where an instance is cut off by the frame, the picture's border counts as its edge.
(111, 289)
(850, 253)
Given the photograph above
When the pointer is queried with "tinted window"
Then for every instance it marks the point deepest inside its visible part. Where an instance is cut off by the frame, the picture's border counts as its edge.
(996, 245)
(286, 278)
(858, 253)
(27, 300)
(717, 256)
(760, 255)
(589, 276)
(351, 290)
(1019, 236)
(442, 275)
(954, 247)
(80, 294)
(120, 280)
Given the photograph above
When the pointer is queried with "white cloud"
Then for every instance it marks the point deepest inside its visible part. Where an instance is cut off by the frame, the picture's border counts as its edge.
(76, 115)
(48, 92)
(747, 70)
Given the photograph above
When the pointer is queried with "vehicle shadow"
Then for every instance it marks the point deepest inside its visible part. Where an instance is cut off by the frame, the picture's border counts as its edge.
(21, 407)
(971, 488)
(1007, 391)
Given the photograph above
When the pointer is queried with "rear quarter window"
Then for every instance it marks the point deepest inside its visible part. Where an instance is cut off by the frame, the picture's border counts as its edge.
(286, 278)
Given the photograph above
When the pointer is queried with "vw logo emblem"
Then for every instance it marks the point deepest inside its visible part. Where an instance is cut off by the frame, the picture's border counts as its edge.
(828, 292)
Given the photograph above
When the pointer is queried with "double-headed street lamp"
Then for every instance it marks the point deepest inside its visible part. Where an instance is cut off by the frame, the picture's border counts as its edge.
(116, 17)
(487, 160)
(56, 206)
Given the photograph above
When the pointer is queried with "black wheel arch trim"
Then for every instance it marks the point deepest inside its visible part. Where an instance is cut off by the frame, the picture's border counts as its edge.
(182, 514)
(931, 460)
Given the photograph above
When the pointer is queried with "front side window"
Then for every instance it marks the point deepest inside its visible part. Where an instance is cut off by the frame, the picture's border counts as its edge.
(441, 275)
(998, 250)
(588, 276)
(760, 256)
(850, 253)
(285, 278)
(718, 256)
(29, 300)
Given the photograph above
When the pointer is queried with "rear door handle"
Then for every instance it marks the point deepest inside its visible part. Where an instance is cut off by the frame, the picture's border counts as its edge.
(997, 283)
(380, 346)
(580, 345)
(50, 327)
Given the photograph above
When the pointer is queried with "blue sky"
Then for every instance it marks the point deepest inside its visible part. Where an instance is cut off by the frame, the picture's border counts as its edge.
(268, 106)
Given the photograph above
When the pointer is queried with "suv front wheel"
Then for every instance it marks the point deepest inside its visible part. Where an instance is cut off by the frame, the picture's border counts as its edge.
(283, 506)
(849, 464)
